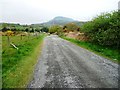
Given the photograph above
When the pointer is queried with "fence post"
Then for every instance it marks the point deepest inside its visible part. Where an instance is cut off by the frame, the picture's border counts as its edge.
(21, 36)
(8, 40)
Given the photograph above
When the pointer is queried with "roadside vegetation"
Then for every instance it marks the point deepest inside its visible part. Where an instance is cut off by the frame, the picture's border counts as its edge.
(102, 35)
(18, 64)
(104, 30)
(55, 29)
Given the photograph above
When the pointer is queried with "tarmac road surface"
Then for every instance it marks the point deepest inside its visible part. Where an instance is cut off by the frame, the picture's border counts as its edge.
(65, 65)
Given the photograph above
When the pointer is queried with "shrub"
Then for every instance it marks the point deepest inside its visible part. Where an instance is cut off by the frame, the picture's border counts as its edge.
(44, 29)
(104, 29)
(55, 29)
(70, 27)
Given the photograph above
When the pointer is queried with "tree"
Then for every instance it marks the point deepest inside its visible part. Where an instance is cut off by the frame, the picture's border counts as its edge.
(70, 27)
(4, 29)
(44, 29)
(26, 29)
(32, 30)
(55, 29)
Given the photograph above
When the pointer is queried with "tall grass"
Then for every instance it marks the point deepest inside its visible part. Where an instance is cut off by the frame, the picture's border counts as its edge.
(18, 65)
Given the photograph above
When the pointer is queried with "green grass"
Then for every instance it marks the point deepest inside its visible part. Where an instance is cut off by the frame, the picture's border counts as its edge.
(109, 53)
(18, 65)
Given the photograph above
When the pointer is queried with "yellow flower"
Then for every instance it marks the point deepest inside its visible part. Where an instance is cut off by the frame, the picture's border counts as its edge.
(9, 33)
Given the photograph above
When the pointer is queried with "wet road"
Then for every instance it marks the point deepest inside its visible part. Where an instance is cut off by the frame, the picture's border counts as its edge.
(65, 65)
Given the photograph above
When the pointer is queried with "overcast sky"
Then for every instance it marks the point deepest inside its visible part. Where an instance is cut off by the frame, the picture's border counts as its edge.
(37, 11)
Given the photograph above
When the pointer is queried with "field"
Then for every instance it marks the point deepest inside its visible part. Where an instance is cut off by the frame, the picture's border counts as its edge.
(18, 65)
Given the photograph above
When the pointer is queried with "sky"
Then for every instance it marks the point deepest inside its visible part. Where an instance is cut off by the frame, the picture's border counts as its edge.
(38, 11)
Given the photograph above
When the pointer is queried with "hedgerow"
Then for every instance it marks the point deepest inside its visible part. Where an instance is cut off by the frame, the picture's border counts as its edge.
(104, 29)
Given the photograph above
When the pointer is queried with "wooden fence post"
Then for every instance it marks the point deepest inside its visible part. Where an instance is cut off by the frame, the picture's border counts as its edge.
(21, 36)
(8, 40)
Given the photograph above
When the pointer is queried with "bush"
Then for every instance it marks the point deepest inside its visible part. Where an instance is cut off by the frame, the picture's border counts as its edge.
(55, 29)
(70, 27)
(4, 29)
(104, 29)
(44, 29)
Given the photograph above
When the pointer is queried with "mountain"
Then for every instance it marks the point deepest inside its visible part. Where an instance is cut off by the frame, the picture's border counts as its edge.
(58, 21)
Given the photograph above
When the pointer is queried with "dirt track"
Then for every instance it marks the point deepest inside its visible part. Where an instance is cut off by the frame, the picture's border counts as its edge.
(65, 65)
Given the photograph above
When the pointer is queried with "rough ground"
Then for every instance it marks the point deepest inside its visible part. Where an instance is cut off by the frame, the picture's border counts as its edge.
(65, 65)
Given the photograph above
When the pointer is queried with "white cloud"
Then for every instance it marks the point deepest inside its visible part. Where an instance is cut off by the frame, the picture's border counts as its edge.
(35, 11)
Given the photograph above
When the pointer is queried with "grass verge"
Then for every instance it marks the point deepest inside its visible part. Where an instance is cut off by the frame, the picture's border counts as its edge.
(18, 65)
(109, 53)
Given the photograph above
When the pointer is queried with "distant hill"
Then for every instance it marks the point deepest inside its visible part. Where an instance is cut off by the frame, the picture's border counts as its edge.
(59, 20)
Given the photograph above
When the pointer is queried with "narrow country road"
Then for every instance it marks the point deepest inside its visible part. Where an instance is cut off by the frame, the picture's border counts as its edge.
(65, 65)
